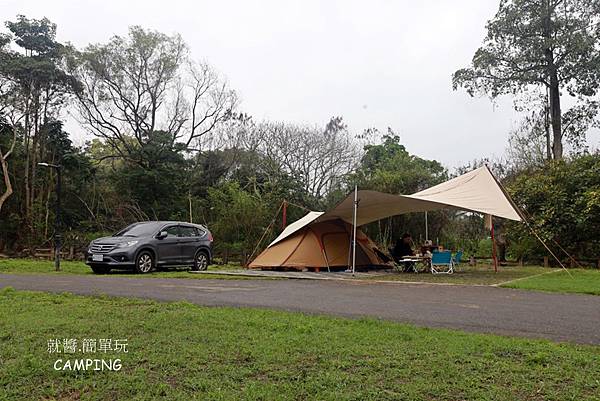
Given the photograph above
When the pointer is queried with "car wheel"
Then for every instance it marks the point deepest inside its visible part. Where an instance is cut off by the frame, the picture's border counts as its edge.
(200, 261)
(100, 269)
(144, 262)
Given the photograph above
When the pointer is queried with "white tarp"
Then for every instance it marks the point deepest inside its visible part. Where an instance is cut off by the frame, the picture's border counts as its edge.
(373, 206)
(476, 191)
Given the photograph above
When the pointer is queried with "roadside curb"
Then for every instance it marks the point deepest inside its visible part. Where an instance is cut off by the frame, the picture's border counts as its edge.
(292, 276)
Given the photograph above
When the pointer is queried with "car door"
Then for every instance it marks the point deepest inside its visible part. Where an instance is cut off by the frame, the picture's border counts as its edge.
(169, 248)
(190, 241)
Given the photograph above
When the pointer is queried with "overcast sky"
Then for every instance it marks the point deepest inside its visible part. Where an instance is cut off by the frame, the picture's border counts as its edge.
(376, 63)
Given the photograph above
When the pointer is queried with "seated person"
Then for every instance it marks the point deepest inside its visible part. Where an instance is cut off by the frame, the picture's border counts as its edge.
(403, 248)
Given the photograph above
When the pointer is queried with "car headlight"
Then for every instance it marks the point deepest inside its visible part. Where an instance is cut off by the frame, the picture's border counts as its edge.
(127, 244)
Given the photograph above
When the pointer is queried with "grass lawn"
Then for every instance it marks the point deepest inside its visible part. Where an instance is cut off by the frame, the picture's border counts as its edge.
(25, 266)
(182, 351)
(481, 275)
(579, 280)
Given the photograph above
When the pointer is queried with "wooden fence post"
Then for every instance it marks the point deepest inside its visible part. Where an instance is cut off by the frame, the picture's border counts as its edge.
(545, 261)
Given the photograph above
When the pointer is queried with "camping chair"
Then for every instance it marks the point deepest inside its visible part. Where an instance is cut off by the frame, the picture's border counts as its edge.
(456, 258)
(441, 262)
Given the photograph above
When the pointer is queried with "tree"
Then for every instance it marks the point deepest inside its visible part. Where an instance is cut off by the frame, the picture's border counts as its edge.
(389, 167)
(34, 88)
(319, 158)
(239, 217)
(548, 45)
(58, 149)
(526, 147)
(158, 188)
(144, 82)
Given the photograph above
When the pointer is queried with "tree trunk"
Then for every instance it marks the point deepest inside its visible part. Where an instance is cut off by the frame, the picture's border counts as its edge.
(27, 161)
(34, 146)
(555, 116)
(553, 87)
(9, 190)
(547, 126)
(5, 173)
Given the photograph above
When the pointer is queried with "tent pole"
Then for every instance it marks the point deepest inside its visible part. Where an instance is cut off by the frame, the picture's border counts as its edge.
(326, 261)
(354, 229)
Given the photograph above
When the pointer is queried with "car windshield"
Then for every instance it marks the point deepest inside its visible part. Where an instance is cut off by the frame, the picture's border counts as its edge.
(137, 230)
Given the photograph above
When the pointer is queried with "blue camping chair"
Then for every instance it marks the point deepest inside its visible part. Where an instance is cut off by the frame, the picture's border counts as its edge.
(441, 262)
(456, 259)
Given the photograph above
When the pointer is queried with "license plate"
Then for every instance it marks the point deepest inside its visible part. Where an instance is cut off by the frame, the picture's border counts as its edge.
(97, 258)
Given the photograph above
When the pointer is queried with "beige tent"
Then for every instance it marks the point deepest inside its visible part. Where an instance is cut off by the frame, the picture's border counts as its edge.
(319, 246)
(298, 245)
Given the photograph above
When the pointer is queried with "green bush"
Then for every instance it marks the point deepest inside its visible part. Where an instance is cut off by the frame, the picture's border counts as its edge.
(562, 203)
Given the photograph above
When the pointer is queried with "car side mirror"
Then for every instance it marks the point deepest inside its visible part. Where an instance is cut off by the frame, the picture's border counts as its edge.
(162, 235)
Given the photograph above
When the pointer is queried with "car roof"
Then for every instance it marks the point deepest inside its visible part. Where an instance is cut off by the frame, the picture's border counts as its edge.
(165, 222)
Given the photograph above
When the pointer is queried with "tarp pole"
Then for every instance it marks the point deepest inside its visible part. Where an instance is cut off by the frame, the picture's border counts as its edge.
(526, 221)
(426, 228)
(354, 229)
(284, 215)
(493, 244)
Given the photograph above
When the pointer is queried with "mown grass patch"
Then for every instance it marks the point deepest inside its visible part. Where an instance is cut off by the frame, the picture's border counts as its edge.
(182, 351)
(583, 281)
(479, 275)
(37, 266)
